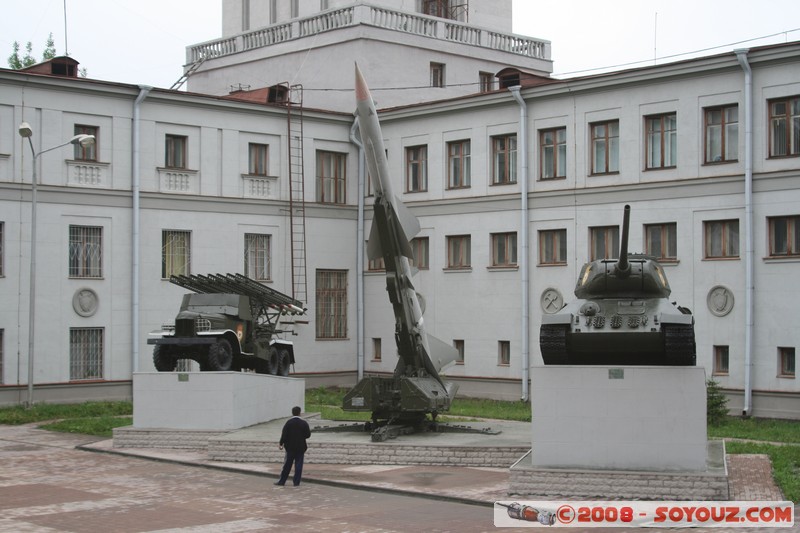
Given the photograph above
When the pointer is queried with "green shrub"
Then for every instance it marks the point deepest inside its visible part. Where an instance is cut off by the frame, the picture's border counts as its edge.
(716, 404)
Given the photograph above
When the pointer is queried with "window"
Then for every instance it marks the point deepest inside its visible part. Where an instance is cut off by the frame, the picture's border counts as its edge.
(257, 256)
(604, 242)
(504, 249)
(85, 252)
(553, 156)
(86, 153)
(784, 236)
(504, 159)
(437, 75)
(662, 141)
(459, 346)
(2, 242)
(784, 127)
(420, 246)
(720, 361)
(448, 9)
(605, 147)
(553, 247)
(331, 177)
(85, 353)
(331, 304)
(503, 353)
(376, 265)
(175, 253)
(486, 81)
(376, 349)
(257, 156)
(175, 151)
(458, 251)
(786, 362)
(417, 168)
(721, 239)
(661, 241)
(458, 164)
(722, 134)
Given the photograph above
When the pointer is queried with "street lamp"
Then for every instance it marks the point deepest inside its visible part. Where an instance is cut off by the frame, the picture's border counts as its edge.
(26, 131)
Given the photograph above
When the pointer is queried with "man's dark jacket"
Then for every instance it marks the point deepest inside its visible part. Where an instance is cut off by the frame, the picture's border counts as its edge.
(294, 435)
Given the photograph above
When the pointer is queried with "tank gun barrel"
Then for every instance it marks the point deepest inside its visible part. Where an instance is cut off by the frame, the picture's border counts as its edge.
(623, 267)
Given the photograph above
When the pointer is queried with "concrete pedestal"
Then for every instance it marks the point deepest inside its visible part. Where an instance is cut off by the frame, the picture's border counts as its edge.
(212, 400)
(643, 418)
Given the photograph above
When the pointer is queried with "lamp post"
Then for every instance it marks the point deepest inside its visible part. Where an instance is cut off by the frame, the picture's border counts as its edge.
(26, 132)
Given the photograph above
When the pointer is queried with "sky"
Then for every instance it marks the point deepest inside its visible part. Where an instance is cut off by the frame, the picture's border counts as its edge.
(144, 41)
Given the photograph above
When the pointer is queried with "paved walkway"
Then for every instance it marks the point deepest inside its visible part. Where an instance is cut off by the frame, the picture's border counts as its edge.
(49, 485)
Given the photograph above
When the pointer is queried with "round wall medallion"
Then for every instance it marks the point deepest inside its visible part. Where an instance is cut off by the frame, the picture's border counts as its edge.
(85, 302)
(719, 300)
(551, 301)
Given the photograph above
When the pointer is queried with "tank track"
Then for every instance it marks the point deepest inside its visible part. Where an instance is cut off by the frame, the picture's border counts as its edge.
(679, 345)
(553, 344)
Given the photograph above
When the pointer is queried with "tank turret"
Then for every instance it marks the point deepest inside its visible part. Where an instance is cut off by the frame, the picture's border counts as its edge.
(622, 316)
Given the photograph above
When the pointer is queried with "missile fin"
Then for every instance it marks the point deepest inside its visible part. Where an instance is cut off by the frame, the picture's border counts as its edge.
(441, 354)
(374, 249)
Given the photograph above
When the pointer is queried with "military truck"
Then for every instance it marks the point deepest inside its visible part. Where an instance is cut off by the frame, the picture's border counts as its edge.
(229, 322)
(622, 316)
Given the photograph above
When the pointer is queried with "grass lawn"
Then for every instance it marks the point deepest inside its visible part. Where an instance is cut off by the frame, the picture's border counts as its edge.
(780, 439)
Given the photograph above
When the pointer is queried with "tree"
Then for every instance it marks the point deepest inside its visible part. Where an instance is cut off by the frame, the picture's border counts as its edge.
(16, 62)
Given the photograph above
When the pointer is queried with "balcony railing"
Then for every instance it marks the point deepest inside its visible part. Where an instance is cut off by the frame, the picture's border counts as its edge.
(413, 23)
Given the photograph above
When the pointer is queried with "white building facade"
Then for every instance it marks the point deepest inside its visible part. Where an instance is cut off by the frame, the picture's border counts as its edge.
(672, 141)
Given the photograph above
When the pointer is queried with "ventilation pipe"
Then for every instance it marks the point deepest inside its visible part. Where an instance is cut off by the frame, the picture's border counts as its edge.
(522, 258)
(135, 186)
(741, 55)
(359, 254)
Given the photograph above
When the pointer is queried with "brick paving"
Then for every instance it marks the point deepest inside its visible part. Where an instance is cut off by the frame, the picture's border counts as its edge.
(47, 485)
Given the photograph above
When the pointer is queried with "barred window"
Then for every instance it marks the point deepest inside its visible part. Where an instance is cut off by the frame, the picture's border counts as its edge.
(85, 353)
(175, 253)
(85, 252)
(331, 304)
(89, 152)
(257, 263)
(258, 159)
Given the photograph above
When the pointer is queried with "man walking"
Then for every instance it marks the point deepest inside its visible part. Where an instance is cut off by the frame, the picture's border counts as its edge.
(293, 438)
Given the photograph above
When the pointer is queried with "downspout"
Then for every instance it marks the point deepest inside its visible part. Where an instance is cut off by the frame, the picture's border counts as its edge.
(741, 55)
(359, 254)
(522, 258)
(135, 185)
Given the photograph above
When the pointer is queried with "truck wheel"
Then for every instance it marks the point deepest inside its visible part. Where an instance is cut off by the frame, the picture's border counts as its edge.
(284, 362)
(220, 356)
(273, 361)
(162, 360)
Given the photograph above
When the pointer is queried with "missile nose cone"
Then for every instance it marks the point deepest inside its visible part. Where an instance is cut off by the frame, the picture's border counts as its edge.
(362, 91)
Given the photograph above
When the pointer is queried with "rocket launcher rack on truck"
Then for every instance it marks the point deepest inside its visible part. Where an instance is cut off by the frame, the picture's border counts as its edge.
(230, 322)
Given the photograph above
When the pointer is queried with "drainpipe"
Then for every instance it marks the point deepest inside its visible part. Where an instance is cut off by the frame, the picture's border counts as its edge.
(359, 254)
(522, 150)
(135, 181)
(741, 55)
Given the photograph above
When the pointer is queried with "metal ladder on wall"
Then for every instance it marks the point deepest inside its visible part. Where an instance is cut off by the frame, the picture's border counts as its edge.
(297, 209)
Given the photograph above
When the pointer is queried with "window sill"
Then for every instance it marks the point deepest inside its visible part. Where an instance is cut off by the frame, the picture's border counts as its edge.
(501, 183)
(785, 376)
(554, 178)
(457, 269)
(737, 258)
(716, 163)
(673, 167)
(323, 339)
(600, 174)
(459, 363)
(502, 268)
(782, 259)
(720, 374)
(416, 192)
(552, 264)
